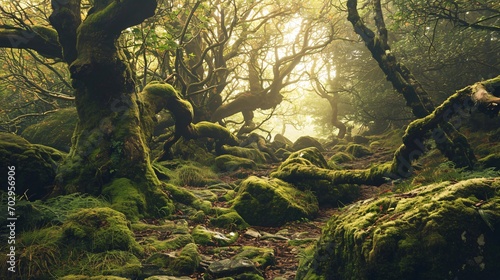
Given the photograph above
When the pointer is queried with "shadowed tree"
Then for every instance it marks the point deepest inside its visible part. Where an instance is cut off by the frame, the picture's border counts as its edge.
(109, 154)
(453, 145)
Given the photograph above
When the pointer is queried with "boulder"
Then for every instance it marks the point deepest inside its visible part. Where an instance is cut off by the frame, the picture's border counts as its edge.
(55, 130)
(306, 142)
(440, 231)
(35, 165)
(233, 163)
(273, 202)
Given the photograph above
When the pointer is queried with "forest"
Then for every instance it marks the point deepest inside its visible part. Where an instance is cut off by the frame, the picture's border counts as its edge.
(250, 140)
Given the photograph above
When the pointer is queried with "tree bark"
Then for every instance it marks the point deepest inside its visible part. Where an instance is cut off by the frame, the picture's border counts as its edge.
(454, 146)
(110, 139)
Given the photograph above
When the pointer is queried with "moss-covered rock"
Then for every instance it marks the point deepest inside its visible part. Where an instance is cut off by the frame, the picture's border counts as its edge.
(307, 142)
(203, 236)
(272, 202)
(341, 157)
(440, 231)
(233, 163)
(307, 170)
(262, 257)
(240, 268)
(358, 151)
(195, 150)
(311, 154)
(55, 130)
(184, 262)
(243, 152)
(190, 175)
(231, 220)
(34, 165)
(99, 230)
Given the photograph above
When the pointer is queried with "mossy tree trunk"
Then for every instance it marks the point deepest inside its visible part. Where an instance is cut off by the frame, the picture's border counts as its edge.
(453, 145)
(110, 140)
(109, 153)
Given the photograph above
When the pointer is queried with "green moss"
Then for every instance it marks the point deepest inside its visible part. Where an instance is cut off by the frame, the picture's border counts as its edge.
(35, 165)
(55, 130)
(242, 152)
(188, 261)
(125, 197)
(312, 154)
(358, 151)
(215, 131)
(434, 232)
(203, 236)
(341, 157)
(492, 160)
(231, 220)
(273, 202)
(233, 163)
(194, 150)
(98, 230)
(262, 257)
(191, 175)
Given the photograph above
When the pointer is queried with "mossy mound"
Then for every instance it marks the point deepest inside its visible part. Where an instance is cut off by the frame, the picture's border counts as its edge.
(35, 165)
(233, 163)
(358, 151)
(341, 157)
(99, 230)
(307, 170)
(167, 236)
(190, 175)
(89, 244)
(243, 152)
(307, 142)
(311, 154)
(55, 130)
(230, 220)
(273, 202)
(195, 150)
(54, 211)
(440, 231)
(184, 262)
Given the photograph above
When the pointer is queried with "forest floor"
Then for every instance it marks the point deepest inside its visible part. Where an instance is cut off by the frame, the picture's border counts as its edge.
(286, 253)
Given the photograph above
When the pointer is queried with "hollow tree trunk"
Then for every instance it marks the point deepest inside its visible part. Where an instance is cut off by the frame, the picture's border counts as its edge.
(109, 154)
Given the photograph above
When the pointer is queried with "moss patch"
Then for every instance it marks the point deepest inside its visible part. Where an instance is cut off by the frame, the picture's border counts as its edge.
(232, 163)
(440, 231)
(126, 198)
(55, 130)
(242, 152)
(99, 230)
(35, 165)
(357, 150)
(273, 202)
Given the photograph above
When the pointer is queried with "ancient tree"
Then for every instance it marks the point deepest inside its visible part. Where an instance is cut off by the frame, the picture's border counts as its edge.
(109, 153)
